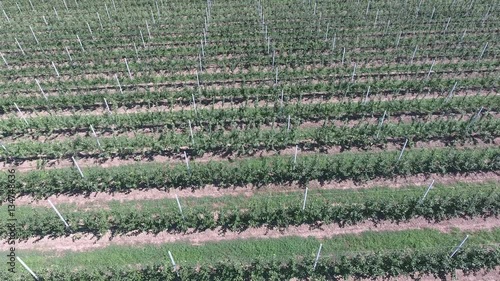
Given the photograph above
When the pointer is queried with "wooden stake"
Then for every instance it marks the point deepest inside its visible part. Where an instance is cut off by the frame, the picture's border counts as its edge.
(430, 69)
(366, 96)
(119, 85)
(459, 246)
(450, 95)
(22, 115)
(474, 118)
(41, 90)
(142, 38)
(136, 52)
(107, 11)
(95, 135)
(170, 254)
(36, 39)
(45, 20)
(31, 4)
(399, 38)
(433, 10)
(413, 56)
(65, 5)
(90, 30)
(305, 199)
(180, 208)
(80, 41)
(77, 166)
(3, 146)
(276, 79)
(326, 33)
(191, 132)
(402, 150)
(149, 33)
(381, 123)
(59, 214)
(4, 60)
(288, 127)
(55, 68)
(55, 11)
(202, 49)
(367, 7)
(100, 22)
(114, 4)
(158, 9)
(187, 162)
(19, 45)
(128, 69)
(5, 14)
(317, 257)
(27, 268)
(67, 52)
(343, 55)
(427, 191)
(446, 27)
(484, 49)
(107, 106)
(333, 42)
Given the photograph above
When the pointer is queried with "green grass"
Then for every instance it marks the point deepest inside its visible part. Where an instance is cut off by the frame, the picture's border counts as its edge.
(286, 198)
(186, 254)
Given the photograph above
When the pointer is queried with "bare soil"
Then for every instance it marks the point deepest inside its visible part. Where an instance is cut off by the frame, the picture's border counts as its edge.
(78, 242)
(250, 190)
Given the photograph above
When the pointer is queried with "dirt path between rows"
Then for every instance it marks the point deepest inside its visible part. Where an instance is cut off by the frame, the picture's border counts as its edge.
(144, 155)
(482, 275)
(87, 242)
(250, 190)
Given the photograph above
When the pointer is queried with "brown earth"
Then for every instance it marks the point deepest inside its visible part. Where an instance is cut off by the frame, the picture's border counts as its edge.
(78, 242)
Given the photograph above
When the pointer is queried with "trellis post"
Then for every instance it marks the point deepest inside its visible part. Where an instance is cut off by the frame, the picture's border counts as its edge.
(59, 214)
(19, 45)
(459, 246)
(69, 55)
(402, 150)
(305, 199)
(41, 90)
(169, 253)
(34, 36)
(180, 208)
(119, 85)
(22, 115)
(317, 257)
(381, 123)
(191, 132)
(128, 69)
(78, 167)
(95, 135)
(427, 191)
(27, 268)
(55, 68)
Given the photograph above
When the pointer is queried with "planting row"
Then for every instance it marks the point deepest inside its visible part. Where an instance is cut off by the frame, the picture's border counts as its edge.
(244, 115)
(249, 141)
(258, 171)
(389, 254)
(276, 211)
